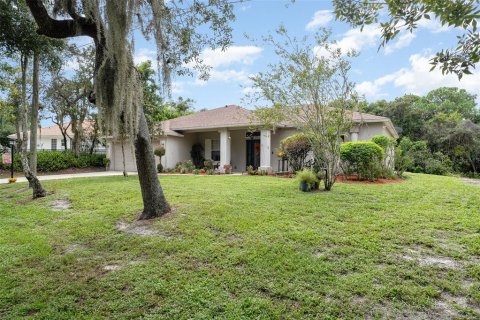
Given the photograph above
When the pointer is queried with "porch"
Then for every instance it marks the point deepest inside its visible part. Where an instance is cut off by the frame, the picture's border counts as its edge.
(238, 147)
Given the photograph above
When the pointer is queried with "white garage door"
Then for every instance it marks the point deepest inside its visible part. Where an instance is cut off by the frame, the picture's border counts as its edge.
(129, 157)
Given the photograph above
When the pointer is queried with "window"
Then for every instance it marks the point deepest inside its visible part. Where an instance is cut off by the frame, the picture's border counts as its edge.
(54, 144)
(216, 150)
(63, 143)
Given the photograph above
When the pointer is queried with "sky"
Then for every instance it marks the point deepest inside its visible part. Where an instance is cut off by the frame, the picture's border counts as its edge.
(401, 67)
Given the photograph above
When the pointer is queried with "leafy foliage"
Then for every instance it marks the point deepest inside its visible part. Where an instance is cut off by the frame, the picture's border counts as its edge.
(296, 149)
(51, 161)
(311, 91)
(197, 155)
(363, 158)
(406, 15)
(444, 123)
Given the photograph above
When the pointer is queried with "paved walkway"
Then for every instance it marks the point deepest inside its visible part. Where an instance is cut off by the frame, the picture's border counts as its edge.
(95, 174)
(72, 176)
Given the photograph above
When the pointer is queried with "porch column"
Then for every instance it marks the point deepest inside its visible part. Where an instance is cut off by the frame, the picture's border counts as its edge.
(224, 148)
(354, 134)
(265, 150)
(110, 155)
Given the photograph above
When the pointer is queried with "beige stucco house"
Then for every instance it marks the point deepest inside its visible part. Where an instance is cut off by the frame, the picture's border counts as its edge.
(226, 137)
(51, 139)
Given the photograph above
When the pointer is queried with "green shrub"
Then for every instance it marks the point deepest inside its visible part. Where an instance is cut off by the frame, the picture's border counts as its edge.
(188, 166)
(251, 171)
(51, 161)
(159, 168)
(197, 155)
(208, 164)
(415, 156)
(307, 176)
(295, 148)
(363, 158)
(383, 141)
(106, 162)
(159, 152)
(196, 171)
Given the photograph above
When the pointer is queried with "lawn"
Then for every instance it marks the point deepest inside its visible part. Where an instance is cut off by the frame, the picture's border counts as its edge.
(242, 247)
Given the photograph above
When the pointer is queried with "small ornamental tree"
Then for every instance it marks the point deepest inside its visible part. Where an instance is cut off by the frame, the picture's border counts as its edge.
(309, 88)
(296, 149)
(159, 152)
(362, 158)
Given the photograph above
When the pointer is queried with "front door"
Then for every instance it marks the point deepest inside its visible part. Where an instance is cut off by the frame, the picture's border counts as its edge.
(253, 153)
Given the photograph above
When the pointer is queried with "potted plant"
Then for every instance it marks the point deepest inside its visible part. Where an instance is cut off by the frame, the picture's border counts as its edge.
(307, 180)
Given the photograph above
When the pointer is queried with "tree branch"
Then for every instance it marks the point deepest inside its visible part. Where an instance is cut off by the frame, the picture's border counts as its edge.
(59, 29)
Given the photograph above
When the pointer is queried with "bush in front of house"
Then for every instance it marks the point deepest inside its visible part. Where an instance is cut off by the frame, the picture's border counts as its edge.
(295, 148)
(363, 159)
(208, 164)
(51, 161)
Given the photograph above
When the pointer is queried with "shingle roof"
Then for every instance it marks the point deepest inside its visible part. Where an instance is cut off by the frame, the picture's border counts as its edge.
(224, 117)
(54, 130)
(236, 116)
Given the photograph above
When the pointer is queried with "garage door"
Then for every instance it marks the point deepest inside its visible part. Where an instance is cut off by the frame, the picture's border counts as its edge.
(129, 157)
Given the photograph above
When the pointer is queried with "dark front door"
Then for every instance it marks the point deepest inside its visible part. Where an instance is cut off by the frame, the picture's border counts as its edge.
(253, 153)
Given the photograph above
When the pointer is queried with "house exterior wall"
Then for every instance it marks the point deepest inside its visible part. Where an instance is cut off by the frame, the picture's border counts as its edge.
(368, 130)
(178, 148)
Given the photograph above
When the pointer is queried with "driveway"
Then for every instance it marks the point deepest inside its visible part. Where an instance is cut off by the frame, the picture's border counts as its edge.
(72, 176)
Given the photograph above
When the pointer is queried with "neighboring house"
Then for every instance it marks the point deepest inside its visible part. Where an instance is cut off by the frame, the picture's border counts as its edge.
(225, 136)
(51, 138)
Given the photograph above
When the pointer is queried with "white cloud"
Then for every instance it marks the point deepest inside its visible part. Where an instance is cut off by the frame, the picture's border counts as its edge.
(418, 79)
(320, 19)
(434, 25)
(403, 41)
(143, 55)
(233, 54)
(354, 39)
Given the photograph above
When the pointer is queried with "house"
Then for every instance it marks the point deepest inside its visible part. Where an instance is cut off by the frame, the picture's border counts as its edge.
(51, 139)
(225, 136)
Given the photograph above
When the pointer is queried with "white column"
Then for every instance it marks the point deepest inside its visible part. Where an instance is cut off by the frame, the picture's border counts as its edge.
(354, 133)
(354, 136)
(265, 150)
(224, 148)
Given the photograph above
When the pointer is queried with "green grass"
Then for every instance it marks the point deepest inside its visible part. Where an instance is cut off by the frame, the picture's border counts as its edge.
(241, 248)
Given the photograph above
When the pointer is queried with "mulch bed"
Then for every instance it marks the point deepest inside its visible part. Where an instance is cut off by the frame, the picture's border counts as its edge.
(354, 179)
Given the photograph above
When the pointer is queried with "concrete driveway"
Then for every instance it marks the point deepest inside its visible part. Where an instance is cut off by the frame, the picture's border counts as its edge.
(72, 176)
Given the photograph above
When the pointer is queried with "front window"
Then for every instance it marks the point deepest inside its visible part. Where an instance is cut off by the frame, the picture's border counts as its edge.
(216, 150)
(54, 144)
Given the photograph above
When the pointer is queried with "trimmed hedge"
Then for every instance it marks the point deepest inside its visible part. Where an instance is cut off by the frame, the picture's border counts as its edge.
(363, 158)
(51, 161)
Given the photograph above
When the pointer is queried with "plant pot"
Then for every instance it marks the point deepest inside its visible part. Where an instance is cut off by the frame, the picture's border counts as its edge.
(304, 186)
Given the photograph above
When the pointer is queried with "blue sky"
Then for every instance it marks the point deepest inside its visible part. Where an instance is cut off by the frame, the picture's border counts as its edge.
(401, 67)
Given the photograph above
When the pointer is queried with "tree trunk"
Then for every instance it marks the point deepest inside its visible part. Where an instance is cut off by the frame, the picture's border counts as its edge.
(22, 136)
(154, 202)
(34, 115)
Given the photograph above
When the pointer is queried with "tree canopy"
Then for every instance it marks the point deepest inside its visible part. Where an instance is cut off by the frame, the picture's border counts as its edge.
(406, 15)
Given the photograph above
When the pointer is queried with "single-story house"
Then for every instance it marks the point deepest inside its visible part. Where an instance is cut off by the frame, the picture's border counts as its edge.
(226, 137)
(51, 139)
